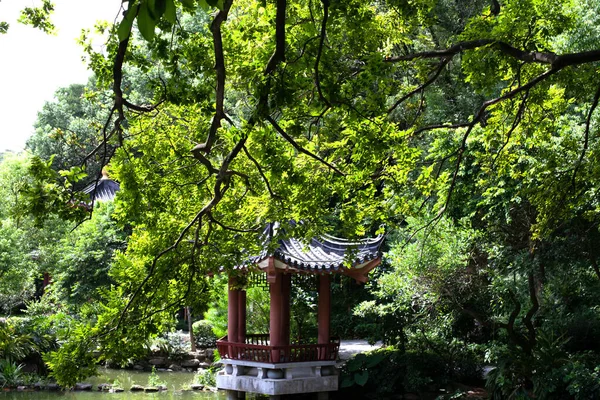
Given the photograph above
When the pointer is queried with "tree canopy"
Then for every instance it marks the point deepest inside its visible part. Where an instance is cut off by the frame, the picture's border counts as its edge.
(470, 127)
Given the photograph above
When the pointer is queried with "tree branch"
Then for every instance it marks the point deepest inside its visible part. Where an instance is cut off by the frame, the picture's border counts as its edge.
(300, 148)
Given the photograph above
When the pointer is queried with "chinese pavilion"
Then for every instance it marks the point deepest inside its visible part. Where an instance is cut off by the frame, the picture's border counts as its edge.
(270, 363)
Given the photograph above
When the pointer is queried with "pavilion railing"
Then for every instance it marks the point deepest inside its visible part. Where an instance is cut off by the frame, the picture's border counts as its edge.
(257, 348)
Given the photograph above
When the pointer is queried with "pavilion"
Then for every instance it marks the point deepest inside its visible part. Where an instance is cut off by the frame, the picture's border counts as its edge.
(270, 363)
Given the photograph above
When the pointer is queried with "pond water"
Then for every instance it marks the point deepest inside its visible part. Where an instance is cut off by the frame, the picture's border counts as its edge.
(176, 382)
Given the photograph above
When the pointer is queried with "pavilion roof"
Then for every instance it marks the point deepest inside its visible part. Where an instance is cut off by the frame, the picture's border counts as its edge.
(104, 189)
(325, 253)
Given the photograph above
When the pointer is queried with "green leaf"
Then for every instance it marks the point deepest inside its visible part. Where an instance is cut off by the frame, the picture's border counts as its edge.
(375, 359)
(361, 378)
(146, 23)
(347, 382)
(170, 12)
(125, 26)
(156, 8)
(188, 3)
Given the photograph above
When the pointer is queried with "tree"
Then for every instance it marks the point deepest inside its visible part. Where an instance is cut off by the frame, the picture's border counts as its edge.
(288, 110)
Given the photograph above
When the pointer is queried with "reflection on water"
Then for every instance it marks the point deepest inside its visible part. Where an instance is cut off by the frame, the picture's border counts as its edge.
(177, 383)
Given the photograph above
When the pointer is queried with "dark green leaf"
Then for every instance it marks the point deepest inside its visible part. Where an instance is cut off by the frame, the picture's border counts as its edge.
(125, 26)
(188, 3)
(361, 378)
(146, 23)
(170, 12)
(156, 8)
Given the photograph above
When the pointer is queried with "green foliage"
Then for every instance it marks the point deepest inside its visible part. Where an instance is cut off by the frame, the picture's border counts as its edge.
(387, 371)
(10, 372)
(39, 17)
(74, 361)
(154, 380)
(207, 377)
(173, 345)
(203, 333)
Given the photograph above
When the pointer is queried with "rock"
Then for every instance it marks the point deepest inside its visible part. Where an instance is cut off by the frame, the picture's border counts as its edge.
(193, 363)
(175, 367)
(136, 388)
(151, 389)
(83, 386)
(21, 388)
(210, 354)
(196, 386)
(38, 386)
(204, 365)
(411, 396)
(116, 390)
(138, 367)
(162, 388)
(200, 354)
(52, 387)
(161, 370)
(158, 361)
(104, 387)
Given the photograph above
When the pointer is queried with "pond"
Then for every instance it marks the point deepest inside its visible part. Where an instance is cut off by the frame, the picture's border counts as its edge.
(177, 383)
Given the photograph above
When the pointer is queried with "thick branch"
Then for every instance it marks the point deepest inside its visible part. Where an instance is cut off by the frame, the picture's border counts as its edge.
(279, 53)
(437, 73)
(320, 51)
(300, 148)
(215, 29)
(556, 61)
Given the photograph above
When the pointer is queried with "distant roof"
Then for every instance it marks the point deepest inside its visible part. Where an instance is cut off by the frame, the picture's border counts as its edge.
(104, 189)
(325, 253)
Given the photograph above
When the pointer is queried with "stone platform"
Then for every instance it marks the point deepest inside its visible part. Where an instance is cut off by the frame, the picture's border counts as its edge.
(278, 379)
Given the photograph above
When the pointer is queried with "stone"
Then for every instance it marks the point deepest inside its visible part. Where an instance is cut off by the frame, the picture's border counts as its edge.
(21, 388)
(161, 370)
(196, 386)
(116, 390)
(193, 363)
(52, 387)
(162, 388)
(203, 365)
(210, 354)
(136, 388)
(175, 367)
(138, 367)
(151, 389)
(104, 387)
(158, 361)
(83, 386)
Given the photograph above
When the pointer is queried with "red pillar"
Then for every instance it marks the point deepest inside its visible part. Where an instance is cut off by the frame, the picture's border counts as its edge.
(275, 323)
(241, 316)
(232, 315)
(324, 312)
(286, 283)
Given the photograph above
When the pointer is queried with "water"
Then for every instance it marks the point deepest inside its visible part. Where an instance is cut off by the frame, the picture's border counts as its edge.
(176, 382)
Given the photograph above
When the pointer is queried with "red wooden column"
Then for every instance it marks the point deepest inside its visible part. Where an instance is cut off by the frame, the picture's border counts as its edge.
(232, 314)
(324, 313)
(286, 283)
(276, 312)
(241, 316)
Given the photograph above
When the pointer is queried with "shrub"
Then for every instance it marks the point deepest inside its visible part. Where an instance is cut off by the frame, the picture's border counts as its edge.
(10, 373)
(173, 345)
(203, 333)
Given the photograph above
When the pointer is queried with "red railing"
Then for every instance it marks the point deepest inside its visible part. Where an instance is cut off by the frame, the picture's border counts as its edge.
(257, 348)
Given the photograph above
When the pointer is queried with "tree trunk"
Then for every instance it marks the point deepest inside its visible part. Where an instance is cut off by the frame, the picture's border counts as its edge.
(189, 318)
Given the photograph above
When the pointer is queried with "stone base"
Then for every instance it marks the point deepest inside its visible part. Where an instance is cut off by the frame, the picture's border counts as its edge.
(278, 379)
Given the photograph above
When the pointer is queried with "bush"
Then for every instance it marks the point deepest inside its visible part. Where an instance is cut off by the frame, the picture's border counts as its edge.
(173, 345)
(203, 333)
